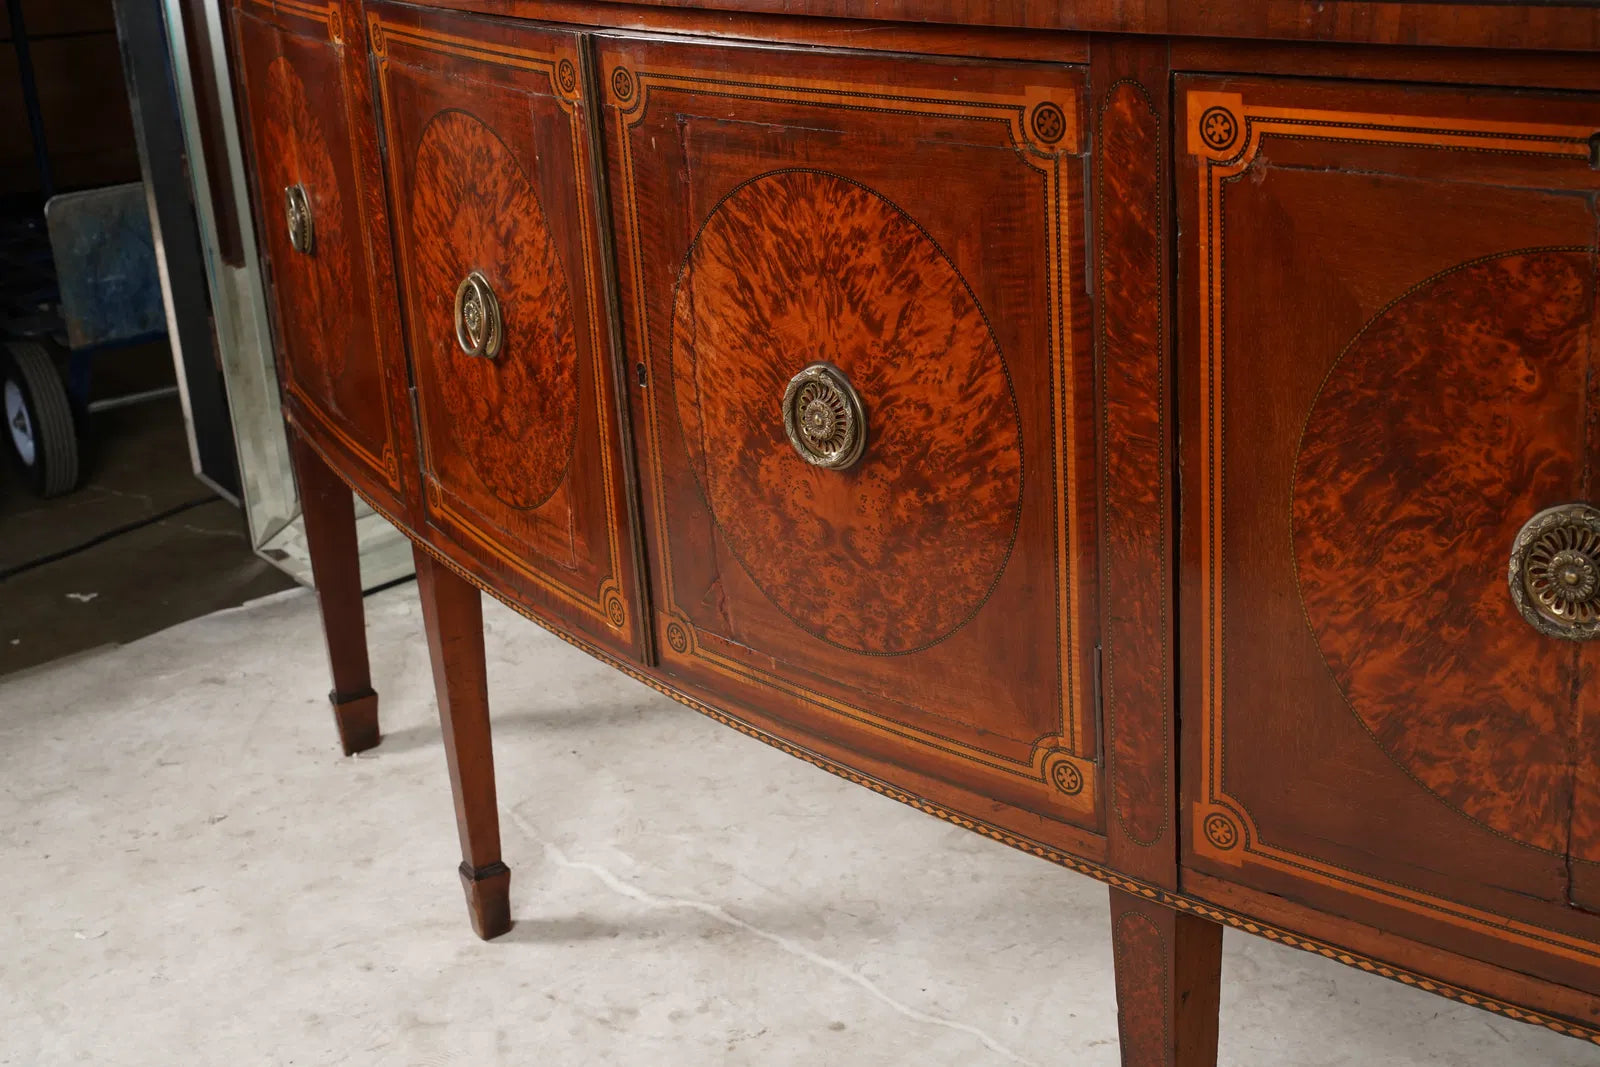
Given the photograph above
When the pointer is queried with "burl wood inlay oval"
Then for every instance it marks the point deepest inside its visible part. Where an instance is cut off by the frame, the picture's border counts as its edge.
(296, 151)
(900, 550)
(1447, 422)
(472, 208)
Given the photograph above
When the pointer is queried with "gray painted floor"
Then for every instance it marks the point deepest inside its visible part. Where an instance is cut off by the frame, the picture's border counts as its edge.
(190, 873)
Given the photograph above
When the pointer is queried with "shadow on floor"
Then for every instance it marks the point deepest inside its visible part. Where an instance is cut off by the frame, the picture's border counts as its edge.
(140, 546)
(579, 719)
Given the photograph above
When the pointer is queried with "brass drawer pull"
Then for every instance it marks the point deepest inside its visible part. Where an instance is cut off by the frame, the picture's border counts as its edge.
(823, 417)
(477, 317)
(1555, 572)
(297, 211)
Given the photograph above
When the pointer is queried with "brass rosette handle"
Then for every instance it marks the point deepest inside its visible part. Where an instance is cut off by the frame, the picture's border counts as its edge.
(478, 323)
(1555, 572)
(297, 213)
(823, 416)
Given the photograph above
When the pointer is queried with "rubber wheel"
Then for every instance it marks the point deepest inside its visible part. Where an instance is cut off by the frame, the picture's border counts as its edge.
(38, 419)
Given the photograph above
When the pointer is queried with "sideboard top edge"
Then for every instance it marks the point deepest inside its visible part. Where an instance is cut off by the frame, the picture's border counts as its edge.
(1526, 25)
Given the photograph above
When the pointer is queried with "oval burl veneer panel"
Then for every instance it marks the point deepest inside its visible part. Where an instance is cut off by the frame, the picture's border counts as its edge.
(514, 416)
(897, 552)
(1440, 430)
(295, 148)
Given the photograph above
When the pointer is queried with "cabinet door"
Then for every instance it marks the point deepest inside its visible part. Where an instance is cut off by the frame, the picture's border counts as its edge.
(489, 159)
(323, 226)
(1390, 367)
(852, 288)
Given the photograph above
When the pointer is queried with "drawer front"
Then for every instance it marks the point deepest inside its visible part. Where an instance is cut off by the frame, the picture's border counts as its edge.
(488, 149)
(853, 294)
(325, 240)
(1390, 299)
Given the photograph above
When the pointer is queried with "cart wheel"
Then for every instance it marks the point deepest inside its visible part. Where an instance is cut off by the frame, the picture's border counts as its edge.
(38, 418)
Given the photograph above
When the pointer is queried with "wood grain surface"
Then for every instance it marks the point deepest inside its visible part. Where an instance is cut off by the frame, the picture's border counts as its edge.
(1168, 968)
(1378, 406)
(327, 508)
(335, 316)
(472, 208)
(916, 222)
(1533, 24)
(1385, 316)
(452, 618)
(1443, 427)
(293, 136)
(1135, 476)
(895, 553)
(524, 483)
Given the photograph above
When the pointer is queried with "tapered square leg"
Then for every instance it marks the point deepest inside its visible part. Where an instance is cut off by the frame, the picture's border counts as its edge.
(452, 614)
(488, 899)
(356, 718)
(1169, 983)
(328, 509)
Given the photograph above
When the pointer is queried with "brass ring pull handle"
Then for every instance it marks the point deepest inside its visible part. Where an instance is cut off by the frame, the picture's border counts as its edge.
(478, 322)
(1555, 572)
(297, 211)
(823, 417)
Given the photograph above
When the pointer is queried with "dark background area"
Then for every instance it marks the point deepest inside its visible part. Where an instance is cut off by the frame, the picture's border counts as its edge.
(141, 544)
(78, 69)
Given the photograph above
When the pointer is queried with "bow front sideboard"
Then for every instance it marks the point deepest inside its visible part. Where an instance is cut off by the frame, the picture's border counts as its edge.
(1164, 438)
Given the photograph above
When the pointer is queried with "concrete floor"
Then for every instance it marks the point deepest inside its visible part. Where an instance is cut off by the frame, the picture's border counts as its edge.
(190, 873)
(162, 546)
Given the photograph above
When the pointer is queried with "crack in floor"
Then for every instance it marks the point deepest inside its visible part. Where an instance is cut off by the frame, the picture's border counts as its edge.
(794, 948)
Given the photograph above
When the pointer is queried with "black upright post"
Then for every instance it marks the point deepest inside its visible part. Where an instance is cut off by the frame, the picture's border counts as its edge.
(30, 98)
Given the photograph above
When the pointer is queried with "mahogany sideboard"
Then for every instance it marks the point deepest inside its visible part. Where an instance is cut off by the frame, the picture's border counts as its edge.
(1162, 437)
